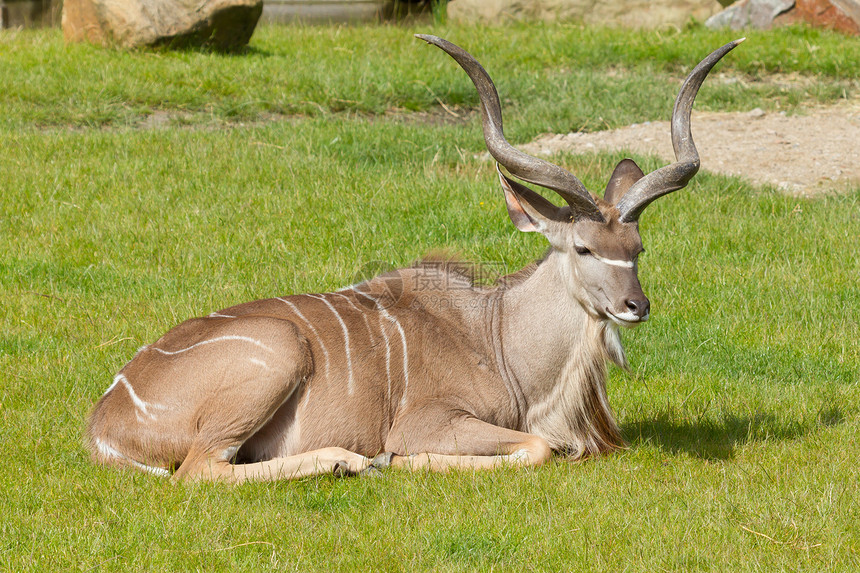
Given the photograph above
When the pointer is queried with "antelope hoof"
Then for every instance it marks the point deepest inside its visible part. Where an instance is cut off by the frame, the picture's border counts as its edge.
(382, 461)
(371, 472)
(341, 469)
(377, 464)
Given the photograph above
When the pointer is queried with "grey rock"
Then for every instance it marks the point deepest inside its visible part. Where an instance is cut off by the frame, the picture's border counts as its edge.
(749, 14)
(624, 13)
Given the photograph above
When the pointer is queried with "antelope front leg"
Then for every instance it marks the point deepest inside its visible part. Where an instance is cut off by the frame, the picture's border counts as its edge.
(466, 443)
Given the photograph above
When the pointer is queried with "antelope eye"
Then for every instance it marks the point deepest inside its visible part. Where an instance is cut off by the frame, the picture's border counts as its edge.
(583, 251)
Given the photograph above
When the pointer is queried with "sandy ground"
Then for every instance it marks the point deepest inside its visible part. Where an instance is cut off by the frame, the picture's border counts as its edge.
(816, 150)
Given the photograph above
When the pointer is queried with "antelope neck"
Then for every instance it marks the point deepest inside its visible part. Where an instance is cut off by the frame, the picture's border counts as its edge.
(496, 325)
(533, 338)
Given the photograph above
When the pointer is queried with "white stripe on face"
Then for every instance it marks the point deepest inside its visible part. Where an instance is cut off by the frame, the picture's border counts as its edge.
(627, 264)
(614, 262)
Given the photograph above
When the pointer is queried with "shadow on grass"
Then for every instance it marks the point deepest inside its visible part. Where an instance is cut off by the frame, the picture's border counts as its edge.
(718, 440)
(192, 45)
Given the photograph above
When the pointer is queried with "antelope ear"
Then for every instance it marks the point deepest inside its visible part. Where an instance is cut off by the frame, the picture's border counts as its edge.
(625, 175)
(528, 210)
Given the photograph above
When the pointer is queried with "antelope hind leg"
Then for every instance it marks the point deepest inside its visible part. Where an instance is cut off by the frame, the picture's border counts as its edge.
(317, 462)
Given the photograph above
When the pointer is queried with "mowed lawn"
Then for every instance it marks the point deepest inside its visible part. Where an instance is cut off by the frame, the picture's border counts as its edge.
(138, 189)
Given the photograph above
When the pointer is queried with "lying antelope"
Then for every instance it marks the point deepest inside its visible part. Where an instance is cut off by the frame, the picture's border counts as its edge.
(381, 373)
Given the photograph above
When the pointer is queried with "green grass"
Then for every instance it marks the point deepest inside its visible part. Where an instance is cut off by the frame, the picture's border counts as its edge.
(743, 404)
(553, 76)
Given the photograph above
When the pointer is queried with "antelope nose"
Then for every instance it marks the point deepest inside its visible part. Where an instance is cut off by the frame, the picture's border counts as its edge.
(639, 307)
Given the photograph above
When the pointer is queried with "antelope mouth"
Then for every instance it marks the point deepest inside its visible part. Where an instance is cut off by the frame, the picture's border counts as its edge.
(627, 320)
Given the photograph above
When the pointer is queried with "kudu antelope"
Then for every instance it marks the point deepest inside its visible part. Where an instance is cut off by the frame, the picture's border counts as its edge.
(381, 373)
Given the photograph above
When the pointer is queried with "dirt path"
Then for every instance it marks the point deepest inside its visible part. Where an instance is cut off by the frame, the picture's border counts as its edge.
(815, 151)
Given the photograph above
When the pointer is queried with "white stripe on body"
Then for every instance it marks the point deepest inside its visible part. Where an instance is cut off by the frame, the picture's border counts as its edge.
(361, 312)
(261, 363)
(109, 452)
(387, 315)
(248, 339)
(350, 384)
(116, 380)
(312, 329)
(387, 347)
(142, 406)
